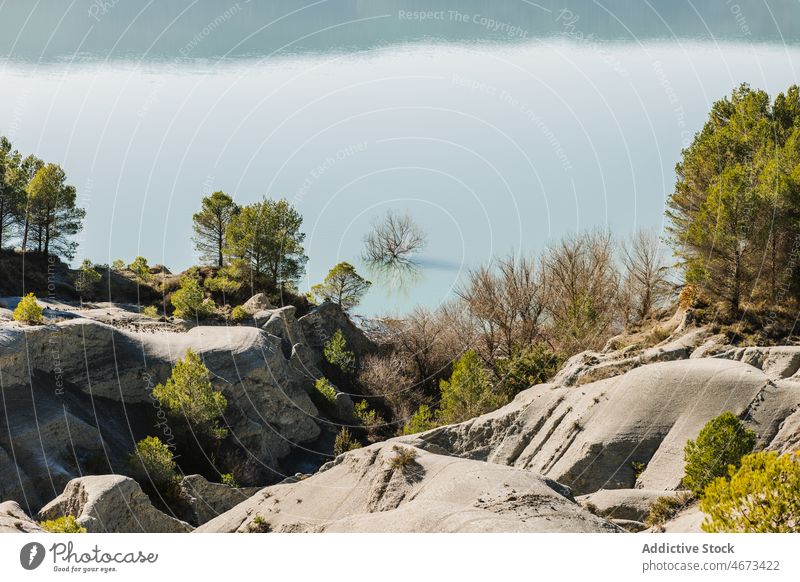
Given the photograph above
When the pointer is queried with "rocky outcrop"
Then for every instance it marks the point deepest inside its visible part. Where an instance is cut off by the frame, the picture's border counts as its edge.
(590, 437)
(627, 504)
(369, 490)
(14, 520)
(322, 322)
(258, 302)
(111, 504)
(78, 392)
(208, 500)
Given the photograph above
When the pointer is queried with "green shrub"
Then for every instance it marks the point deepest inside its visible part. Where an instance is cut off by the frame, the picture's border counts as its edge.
(118, 265)
(423, 419)
(665, 508)
(533, 365)
(222, 284)
(762, 495)
(723, 441)
(327, 390)
(229, 480)
(337, 354)
(259, 525)
(638, 468)
(189, 301)
(150, 311)
(239, 314)
(345, 442)
(368, 416)
(66, 524)
(468, 393)
(141, 269)
(152, 461)
(188, 393)
(87, 277)
(404, 457)
(28, 311)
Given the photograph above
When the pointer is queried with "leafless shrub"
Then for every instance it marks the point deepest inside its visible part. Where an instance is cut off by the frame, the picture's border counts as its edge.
(391, 246)
(582, 286)
(645, 285)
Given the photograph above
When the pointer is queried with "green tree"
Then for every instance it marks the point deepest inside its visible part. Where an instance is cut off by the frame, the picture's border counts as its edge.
(762, 495)
(188, 392)
(190, 301)
(534, 364)
(141, 269)
(342, 286)
(423, 419)
(723, 441)
(52, 211)
(153, 461)
(468, 393)
(266, 236)
(210, 224)
(336, 353)
(87, 277)
(12, 197)
(28, 310)
(731, 211)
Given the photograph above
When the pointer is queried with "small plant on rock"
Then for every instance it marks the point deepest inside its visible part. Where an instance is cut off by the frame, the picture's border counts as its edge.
(239, 314)
(327, 390)
(28, 310)
(344, 442)
(153, 462)
(65, 524)
(337, 354)
(150, 311)
(403, 458)
(665, 508)
(229, 480)
(259, 525)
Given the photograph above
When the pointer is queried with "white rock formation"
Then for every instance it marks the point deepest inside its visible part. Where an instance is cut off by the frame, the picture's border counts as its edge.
(111, 504)
(363, 492)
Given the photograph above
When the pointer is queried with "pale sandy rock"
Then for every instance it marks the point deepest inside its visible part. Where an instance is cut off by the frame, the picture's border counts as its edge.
(627, 504)
(258, 302)
(111, 504)
(208, 500)
(777, 362)
(322, 322)
(14, 520)
(361, 492)
(686, 521)
(589, 437)
(788, 437)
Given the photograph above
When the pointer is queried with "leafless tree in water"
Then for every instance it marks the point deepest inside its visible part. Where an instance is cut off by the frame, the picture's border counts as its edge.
(391, 246)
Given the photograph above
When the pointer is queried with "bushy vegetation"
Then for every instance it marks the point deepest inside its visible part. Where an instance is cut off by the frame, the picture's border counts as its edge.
(239, 314)
(723, 441)
(150, 311)
(665, 508)
(326, 389)
(65, 524)
(467, 393)
(259, 525)
(342, 286)
(403, 458)
(189, 301)
(141, 270)
(28, 310)
(762, 495)
(534, 364)
(188, 393)
(344, 442)
(87, 277)
(229, 480)
(153, 462)
(423, 419)
(337, 354)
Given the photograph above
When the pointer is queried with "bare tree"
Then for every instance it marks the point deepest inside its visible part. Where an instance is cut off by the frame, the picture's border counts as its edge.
(507, 304)
(646, 284)
(582, 287)
(391, 246)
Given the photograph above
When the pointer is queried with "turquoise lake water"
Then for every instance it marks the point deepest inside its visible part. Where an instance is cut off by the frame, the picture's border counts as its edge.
(499, 126)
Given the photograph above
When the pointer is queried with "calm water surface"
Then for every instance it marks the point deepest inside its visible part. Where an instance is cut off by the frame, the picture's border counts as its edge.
(500, 126)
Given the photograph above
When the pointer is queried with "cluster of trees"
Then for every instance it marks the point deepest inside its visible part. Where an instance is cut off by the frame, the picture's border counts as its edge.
(513, 323)
(260, 241)
(38, 210)
(735, 212)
